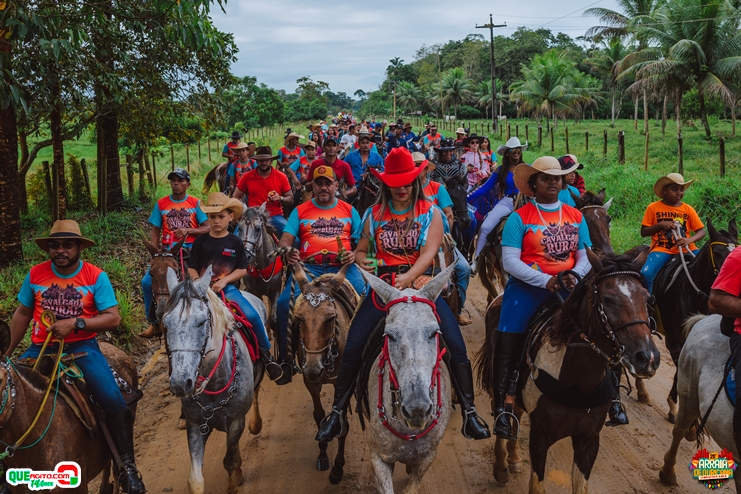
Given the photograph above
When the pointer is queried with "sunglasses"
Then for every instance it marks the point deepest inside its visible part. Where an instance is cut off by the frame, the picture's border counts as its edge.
(66, 245)
(473, 142)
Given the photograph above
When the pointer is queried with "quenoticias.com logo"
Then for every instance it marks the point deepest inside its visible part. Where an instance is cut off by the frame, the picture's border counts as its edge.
(65, 475)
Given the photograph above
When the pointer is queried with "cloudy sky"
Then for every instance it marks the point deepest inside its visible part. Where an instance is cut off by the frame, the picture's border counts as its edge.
(349, 44)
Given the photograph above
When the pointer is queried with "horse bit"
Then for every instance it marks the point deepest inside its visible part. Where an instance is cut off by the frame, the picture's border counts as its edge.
(332, 348)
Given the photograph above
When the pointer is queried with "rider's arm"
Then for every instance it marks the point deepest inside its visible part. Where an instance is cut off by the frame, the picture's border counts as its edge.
(723, 303)
(238, 193)
(106, 320)
(204, 228)
(155, 234)
(724, 295)
(361, 250)
(19, 326)
(449, 214)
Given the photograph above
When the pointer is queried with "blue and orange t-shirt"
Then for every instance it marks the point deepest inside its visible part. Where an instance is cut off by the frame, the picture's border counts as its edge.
(228, 148)
(301, 167)
(84, 293)
(547, 245)
(399, 235)
(438, 195)
(170, 215)
(237, 168)
(284, 151)
(317, 228)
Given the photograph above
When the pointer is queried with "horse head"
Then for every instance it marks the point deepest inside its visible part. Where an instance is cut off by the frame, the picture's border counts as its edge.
(618, 316)
(458, 195)
(317, 316)
(253, 227)
(721, 244)
(161, 260)
(411, 331)
(594, 209)
(195, 321)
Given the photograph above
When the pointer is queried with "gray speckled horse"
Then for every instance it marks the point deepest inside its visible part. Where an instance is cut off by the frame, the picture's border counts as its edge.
(212, 372)
(421, 405)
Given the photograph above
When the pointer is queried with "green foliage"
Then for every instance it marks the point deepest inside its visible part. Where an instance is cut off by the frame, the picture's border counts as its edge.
(78, 197)
(38, 193)
(466, 111)
(304, 109)
(253, 105)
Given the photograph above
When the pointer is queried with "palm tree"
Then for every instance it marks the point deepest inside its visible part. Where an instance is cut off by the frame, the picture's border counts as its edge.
(589, 93)
(456, 88)
(548, 86)
(408, 95)
(482, 95)
(621, 24)
(605, 61)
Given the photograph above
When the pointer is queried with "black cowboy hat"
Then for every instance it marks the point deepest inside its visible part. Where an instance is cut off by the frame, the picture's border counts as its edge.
(446, 145)
(468, 139)
(236, 135)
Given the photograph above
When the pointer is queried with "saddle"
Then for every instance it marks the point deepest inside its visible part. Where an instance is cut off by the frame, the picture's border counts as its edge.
(247, 333)
(669, 273)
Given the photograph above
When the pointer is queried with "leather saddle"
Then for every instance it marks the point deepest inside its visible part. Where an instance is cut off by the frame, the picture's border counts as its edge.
(668, 275)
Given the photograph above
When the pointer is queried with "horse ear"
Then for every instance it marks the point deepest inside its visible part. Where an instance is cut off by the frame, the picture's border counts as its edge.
(594, 260)
(383, 290)
(733, 229)
(172, 279)
(151, 248)
(263, 209)
(601, 195)
(4, 337)
(607, 205)
(434, 288)
(711, 229)
(300, 275)
(640, 256)
(339, 278)
(205, 279)
(176, 248)
(574, 196)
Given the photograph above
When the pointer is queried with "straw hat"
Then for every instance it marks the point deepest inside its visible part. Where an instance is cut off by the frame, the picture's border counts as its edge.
(241, 145)
(310, 144)
(672, 178)
(64, 230)
(513, 142)
(399, 168)
(291, 136)
(422, 162)
(460, 130)
(217, 202)
(545, 164)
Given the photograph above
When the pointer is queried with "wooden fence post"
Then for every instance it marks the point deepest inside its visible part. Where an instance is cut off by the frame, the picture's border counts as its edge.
(130, 175)
(517, 131)
(540, 136)
(142, 193)
(586, 140)
(151, 178)
(86, 176)
(645, 154)
(172, 157)
(509, 132)
(154, 172)
(527, 133)
(722, 149)
(187, 156)
(209, 150)
(501, 131)
(604, 144)
(553, 147)
(566, 130)
(680, 165)
(621, 147)
(55, 191)
(199, 151)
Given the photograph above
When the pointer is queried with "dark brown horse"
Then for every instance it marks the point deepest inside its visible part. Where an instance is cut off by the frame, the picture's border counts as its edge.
(564, 381)
(679, 296)
(594, 209)
(66, 439)
(368, 190)
(321, 319)
(162, 259)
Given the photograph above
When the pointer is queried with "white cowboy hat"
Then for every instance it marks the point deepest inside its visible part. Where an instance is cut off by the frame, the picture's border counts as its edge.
(513, 142)
(545, 164)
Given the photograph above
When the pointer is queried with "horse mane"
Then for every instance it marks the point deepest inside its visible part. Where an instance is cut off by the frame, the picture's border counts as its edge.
(269, 228)
(186, 291)
(589, 199)
(580, 304)
(210, 179)
(34, 378)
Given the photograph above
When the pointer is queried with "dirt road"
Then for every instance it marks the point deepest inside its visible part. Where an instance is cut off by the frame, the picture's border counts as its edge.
(282, 457)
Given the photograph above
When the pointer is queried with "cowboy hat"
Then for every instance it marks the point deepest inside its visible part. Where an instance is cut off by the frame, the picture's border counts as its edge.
(422, 162)
(568, 160)
(408, 125)
(218, 201)
(468, 139)
(241, 145)
(264, 153)
(399, 169)
(545, 164)
(64, 230)
(445, 145)
(513, 142)
(672, 178)
(236, 135)
(310, 144)
(460, 130)
(291, 136)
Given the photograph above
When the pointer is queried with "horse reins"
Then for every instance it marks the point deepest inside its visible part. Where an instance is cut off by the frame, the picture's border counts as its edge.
(253, 268)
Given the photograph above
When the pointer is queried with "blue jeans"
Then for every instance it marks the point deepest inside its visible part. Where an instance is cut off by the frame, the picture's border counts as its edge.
(147, 294)
(95, 370)
(654, 262)
(232, 293)
(354, 276)
(369, 316)
(462, 277)
(520, 304)
(279, 223)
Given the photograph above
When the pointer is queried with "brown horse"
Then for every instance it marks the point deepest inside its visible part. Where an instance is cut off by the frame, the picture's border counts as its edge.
(216, 176)
(321, 319)
(564, 382)
(66, 439)
(161, 260)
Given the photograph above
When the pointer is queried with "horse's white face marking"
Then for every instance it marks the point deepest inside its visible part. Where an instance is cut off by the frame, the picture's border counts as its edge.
(624, 288)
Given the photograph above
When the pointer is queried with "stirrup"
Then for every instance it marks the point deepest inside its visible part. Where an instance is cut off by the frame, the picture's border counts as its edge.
(472, 415)
(341, 417)
(616, 420)
(123, 479)
(505, 412)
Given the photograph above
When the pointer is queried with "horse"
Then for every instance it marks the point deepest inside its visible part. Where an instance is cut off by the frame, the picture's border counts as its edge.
(216, 176)
(65, 438)
(701, 372)
(457, 192)
(595, 211)
(265, 275)
(212, 373)
(680, 294)
(368, 191)
(161, 260)
(564, 382)
(321, 319)
(413, 381)
(295, 189)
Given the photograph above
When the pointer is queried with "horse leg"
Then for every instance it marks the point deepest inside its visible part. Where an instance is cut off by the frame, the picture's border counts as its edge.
(315, 390)
(586, 448)
(501, 472)
(181, 420)
(643, 396)
(196, 446)
(672, 400)
(335, 476)
(688, 412)
(106, 486)
(233, 457)
(255, 426)
(384, 474)
(418, 471)
(540, 442)
(513, 457)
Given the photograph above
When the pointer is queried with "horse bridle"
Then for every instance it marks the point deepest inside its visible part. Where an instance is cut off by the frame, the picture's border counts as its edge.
(180, 273)
(9, 391)
(202, 351)
(332, 348)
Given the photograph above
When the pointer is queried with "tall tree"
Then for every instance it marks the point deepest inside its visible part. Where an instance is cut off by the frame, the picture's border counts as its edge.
(456, 88)
(605, 61)
(409, 95)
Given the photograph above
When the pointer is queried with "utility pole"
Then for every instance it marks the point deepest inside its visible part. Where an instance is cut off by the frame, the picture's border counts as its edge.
(491, 27)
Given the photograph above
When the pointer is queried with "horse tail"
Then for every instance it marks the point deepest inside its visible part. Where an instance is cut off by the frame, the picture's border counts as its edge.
(690, 322)
(210, 179)
(484, 357)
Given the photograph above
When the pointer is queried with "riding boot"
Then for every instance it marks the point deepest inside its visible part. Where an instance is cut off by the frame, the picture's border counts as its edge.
(473, 425)
(288, 370)
(122, 433)
(335, 424)
(272, 367)
(508, 348)
(616, 412)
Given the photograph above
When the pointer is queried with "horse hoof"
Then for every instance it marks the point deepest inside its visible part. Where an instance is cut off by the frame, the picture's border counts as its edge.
(501, 476)
(335, 477)
(667, 479)
(255, 429)
(409, 469)
(181, 424)
(322, 464)
(644, 399)
(672, 418)
(691, 434)
(515, 467)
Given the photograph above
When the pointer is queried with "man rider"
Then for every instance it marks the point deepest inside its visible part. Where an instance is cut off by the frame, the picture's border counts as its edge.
(363, 158)
(174, 218)
(85, 307)
(241, 165)
(341, 169)
(227, 152)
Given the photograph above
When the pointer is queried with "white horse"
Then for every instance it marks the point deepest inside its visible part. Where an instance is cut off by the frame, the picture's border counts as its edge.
(212, 372)
(699, 375)
(420, 408)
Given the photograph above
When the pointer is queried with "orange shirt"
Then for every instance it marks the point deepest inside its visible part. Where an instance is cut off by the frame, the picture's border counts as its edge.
(684, 214)
(317, 229)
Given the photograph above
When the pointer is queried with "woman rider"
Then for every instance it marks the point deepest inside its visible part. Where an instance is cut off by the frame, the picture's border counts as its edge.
(408, 232)
(540, 240)
(507, 191)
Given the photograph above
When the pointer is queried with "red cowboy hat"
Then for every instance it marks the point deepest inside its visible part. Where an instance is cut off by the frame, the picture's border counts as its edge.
(400, 169)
